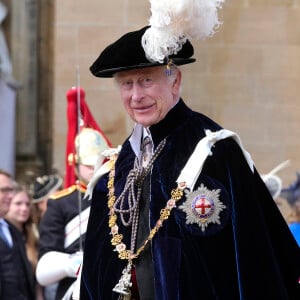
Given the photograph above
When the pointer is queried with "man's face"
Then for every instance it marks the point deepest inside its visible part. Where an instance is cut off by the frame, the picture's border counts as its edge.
(86, 173)
(42, 206)
(6, 194)
(148, 94)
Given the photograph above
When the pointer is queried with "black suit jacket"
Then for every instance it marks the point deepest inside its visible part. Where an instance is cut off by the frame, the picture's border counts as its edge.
(25, 266)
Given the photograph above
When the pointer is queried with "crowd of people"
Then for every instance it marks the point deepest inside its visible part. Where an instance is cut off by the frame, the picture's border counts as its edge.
(43, 227)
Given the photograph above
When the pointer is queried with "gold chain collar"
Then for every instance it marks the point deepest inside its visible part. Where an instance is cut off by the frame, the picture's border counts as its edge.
(117, 238)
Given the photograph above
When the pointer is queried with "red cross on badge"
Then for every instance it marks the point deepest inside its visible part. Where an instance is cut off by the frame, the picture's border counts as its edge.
(202, 207)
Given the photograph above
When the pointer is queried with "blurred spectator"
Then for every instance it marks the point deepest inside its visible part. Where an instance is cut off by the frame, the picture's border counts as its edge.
(292, 195)
(294, 221)
(20, 215)
(273, 181)
(42, 188)
(16, 274)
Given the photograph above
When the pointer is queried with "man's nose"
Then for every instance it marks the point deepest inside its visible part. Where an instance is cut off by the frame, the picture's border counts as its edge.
(137, 92)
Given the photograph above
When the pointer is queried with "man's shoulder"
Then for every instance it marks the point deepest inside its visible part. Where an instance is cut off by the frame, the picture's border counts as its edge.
(15, 234)
(13, 229)
(67, 192)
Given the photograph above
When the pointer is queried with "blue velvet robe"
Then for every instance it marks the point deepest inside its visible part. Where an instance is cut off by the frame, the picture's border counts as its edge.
(250, 255)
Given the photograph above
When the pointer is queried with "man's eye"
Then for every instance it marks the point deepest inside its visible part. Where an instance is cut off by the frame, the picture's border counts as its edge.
(126, 84)
(146, 81)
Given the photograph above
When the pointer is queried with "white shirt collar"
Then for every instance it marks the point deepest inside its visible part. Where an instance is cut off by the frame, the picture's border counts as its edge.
(6, 232)
(135, 139)
(3, 222)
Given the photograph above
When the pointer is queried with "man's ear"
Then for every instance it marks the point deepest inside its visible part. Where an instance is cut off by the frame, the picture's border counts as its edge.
(177, 82)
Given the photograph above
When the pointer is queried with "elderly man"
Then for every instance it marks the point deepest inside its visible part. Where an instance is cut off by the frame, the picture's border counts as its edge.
(16, 274)
(190, 218)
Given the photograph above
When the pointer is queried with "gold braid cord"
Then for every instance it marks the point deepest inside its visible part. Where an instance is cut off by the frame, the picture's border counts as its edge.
(117, 238)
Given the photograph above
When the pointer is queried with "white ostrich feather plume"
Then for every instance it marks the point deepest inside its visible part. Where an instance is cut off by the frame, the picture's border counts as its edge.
(174, 21)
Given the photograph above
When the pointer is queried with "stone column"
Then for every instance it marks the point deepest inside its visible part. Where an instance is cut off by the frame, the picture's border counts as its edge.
(31, 43)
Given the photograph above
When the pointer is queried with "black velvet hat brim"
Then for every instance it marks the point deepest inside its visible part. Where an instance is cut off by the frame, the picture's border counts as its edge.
(127, 53)
(110, 72)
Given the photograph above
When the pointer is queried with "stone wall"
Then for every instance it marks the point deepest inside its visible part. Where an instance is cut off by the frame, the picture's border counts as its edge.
(247, 77)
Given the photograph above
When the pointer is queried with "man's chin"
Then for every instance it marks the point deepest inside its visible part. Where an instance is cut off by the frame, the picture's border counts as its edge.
(146, 122)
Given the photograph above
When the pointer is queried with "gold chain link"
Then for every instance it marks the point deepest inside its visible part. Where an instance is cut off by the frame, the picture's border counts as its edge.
(176, 195)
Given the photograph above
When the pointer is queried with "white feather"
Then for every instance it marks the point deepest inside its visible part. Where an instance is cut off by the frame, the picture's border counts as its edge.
(174, 21)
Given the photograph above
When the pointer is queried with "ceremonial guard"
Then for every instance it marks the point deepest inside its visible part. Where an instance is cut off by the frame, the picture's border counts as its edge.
(62, 228)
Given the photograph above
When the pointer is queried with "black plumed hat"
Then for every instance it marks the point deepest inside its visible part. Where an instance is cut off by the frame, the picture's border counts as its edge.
(44, 186)
(127, 53)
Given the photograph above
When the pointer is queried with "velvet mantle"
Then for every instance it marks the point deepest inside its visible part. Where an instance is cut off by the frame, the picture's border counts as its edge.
(250, 255)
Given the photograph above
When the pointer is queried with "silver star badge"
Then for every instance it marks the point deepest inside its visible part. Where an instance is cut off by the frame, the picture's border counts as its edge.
(202, 207)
